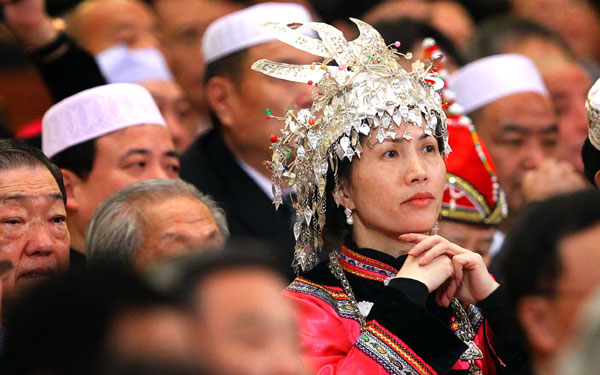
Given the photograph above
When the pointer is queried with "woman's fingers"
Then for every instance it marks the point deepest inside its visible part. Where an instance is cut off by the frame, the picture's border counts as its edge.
(426, 243)
(446, 292)
(413, 237)
(435, 248)
(434, 252)
(465, 261)
(423, 242)
(458, 268)
(450, 291)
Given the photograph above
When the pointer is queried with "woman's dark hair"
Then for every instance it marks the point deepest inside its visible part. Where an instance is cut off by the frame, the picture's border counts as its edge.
(591, 161)
(335, 228)
(16, 154)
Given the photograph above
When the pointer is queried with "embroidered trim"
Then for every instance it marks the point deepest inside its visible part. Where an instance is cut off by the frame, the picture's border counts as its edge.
(391, 353)
(482, 212)
(332, 296)
(475, 316)
(362, 266)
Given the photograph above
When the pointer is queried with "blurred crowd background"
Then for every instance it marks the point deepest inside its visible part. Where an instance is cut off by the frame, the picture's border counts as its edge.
(23, 97)
(560, 37)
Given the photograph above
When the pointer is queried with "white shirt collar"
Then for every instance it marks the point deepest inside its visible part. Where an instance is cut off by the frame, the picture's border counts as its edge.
(263, 182)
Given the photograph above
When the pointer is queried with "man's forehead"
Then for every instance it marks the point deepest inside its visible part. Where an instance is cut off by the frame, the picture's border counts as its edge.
(182, 14)
(27, 182)
(179, 209)
(106, 8)
(24, 191)
(569, 77)
(29, 197)
(526, 110)
(580, 247)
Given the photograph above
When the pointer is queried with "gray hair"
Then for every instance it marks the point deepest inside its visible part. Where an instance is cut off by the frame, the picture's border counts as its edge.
(115, 231)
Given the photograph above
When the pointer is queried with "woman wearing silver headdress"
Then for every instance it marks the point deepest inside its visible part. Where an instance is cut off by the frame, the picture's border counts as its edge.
(366, 165)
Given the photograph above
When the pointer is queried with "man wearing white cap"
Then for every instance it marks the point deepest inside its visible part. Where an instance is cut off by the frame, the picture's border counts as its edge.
(591, 148)
(104, 139)
(228, 162)
(120, 34)
(510, 107)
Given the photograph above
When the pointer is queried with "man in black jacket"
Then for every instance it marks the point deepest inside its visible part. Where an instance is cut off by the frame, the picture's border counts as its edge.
(227, 163)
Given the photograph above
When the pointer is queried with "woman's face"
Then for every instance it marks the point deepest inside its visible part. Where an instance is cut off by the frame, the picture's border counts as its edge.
(396, 186)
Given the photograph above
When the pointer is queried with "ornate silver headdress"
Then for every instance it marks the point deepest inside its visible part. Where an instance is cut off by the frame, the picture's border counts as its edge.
(366, 91)
(592, 106)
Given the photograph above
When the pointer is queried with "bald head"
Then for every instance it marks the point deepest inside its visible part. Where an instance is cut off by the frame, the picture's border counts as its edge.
(100, 24)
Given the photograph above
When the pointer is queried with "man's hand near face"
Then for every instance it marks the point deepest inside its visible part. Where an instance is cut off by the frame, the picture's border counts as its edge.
(551, 178)
(28, 22)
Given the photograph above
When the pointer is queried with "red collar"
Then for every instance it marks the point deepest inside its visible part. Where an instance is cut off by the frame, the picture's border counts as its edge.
(365, 267)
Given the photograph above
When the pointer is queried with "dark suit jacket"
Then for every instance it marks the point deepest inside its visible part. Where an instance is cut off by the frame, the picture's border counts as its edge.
(208, 164)
(211, 167)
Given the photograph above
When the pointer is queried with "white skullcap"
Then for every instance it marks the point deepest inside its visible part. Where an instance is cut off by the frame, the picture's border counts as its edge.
(593, 111)
(119, 64)
(243, 29)
(96, 112)
(488, 79)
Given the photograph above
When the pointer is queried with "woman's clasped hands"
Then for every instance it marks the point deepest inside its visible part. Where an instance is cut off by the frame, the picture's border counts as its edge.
(447, 268)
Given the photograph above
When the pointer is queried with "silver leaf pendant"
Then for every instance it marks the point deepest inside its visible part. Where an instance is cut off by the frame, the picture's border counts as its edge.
(364, 307)
(473, 352)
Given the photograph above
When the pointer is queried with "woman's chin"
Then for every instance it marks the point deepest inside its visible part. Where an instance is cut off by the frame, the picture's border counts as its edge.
(420, 227)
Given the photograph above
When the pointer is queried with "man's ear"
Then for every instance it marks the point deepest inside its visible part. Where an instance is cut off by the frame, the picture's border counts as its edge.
(597, 179)
(538, 321)
(221, 97)
(72, 183)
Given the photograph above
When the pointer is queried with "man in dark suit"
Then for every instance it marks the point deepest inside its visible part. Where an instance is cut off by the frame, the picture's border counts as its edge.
(227, 163)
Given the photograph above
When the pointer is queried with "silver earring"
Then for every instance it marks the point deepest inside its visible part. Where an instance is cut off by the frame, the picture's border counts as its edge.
(349, 218)
(436, 228)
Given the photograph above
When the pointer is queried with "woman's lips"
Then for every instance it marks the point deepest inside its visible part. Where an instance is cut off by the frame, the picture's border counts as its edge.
(420, 200)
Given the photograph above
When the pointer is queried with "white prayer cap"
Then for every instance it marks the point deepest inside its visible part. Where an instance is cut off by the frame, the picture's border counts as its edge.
(243, 29)
(96, 112)
(593, 111)
(488, 79)
(120, 64)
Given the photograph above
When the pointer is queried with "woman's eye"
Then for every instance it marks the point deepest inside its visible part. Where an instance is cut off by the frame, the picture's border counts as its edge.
(429, 148)
(390, 154)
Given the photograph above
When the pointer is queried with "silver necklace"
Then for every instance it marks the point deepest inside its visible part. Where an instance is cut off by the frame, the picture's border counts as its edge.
(464, 330)
(466, 333)
(338, 272)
